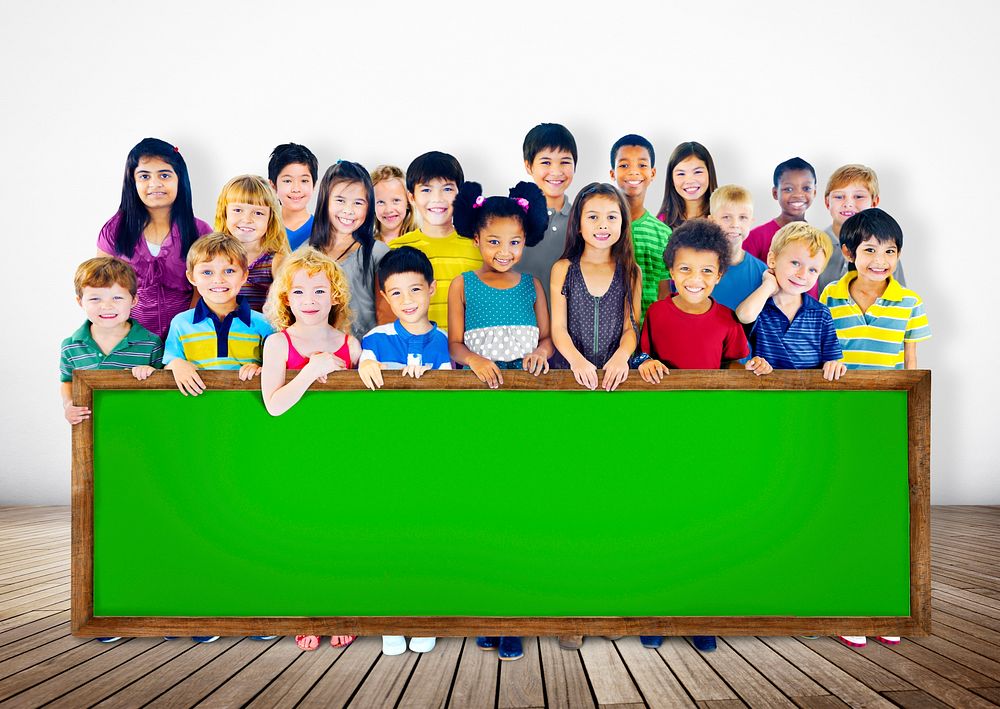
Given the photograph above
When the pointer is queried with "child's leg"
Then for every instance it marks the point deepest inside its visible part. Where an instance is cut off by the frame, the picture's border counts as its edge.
(341, 640)
(307, 642)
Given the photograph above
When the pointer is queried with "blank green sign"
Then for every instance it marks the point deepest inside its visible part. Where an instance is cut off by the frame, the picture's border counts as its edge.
(502, 503)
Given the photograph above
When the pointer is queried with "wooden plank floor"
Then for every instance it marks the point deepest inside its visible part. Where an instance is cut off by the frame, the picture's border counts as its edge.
(41, 664)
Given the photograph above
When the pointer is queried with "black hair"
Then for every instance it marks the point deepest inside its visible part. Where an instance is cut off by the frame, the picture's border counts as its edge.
(622, 251)
(673, 208)
(866, 224)
(700, 235)
(405, 259)
(633, 140)
(792, 165)
(289, 154)
(551, 136)
(429, 166)
(338, 173)
(470, 217)
(135, 216)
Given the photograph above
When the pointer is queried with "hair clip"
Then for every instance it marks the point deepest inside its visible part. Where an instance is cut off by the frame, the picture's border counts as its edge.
(480, 201)
(176, 149)
(525, 205)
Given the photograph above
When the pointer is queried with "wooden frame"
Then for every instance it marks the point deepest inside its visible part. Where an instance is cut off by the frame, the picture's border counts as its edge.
(916, 383)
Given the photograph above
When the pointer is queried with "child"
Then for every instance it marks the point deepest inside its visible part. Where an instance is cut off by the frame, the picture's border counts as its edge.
(344, 230)
(497, 317)
(850, 189)
(393, 211)
(794, 189)
(432, 181)
(791, 329)
(292, 171)
(690, 181)
(412, 343)
(308, 308)
(732, 211)
(105, 289)
(550, 158)
(153, 230)
(248, 209)
(597, 331)
(221, 331)
(878, 321)
(633, 166)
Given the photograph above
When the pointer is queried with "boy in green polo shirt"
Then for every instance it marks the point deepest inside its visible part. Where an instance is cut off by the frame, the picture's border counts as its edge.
(105, 289)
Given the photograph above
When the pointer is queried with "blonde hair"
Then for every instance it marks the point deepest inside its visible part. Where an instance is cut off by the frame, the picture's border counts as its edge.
(799, 232)
(253, 189)
(729, 194)
(849, 174)
(384, 173)
(104, 272)
(312, 261)
(217, 244)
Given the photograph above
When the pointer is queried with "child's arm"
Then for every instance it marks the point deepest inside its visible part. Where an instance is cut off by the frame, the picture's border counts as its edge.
(487, 370)
(909, 355)
(143, 371)
(831, 353)
(584, 372)
(757, 365)
(279, 397)
(185, 374)
(73, 414)
(749, 309)
(616, 368)
(652, 370)
(537, 362)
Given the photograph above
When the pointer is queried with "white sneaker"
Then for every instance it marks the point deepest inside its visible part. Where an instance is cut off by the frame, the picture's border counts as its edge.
(853, 640)
(393, 644)
(888, 639)
(422, 644)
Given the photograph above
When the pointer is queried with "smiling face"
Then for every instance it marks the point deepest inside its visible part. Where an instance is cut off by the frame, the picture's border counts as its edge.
(390, 205)
(601, 222)
(633, 170)
(794, 268)
(690, 178)
(409, 296)
(156, 182)
(501, 242)
(247, 222)
(348, 207)
(875, 260)
(552, 170)
(844, 202)
(107, 307)
(294, 187)
(695, 274)
(218, 281)
(434, 200)
(309, 297)
(795, 192)
(735, 219)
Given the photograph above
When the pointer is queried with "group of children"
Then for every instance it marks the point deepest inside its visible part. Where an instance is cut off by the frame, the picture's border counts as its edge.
(530, 280)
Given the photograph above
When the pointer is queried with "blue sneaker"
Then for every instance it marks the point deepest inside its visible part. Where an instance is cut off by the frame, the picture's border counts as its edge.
(109, 640)
(205, 638)
(705, 643)
(651, 641)
(487, 643)
(263, 637)
(510, 648)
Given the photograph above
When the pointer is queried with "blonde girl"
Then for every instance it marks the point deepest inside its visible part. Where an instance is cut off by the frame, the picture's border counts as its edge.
(393, 211)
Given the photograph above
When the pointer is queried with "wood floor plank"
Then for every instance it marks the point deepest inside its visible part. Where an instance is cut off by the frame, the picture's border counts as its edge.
(245, 685)
(295, 682)
(608, 675)
(863, 669)
(964, 640)
(915, 699)
(721, 704)
(943, 666)
(31, 600)
(822, 701)
(690, 667)
(14, 629)
(989, 693)
(37, 604)
(521, 680)
(386, 681)
(775, 668)
(566, 682)
(974, 660)
(36, 648)
(747, 682)
(476, 680)
(340, 682)
(967, 626)
(431, 680)
(659, 687)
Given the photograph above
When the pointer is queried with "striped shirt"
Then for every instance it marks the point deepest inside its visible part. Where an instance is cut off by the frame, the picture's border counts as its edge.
(649, 239)
(396, 347)
(805, 342)
(874, 339)
(80, 351)
(258, 281)
(198, 336)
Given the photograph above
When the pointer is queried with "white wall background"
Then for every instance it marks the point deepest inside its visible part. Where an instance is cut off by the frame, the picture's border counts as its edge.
(906, 87)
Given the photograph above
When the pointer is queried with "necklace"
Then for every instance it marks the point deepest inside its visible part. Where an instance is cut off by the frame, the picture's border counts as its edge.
(346, 251)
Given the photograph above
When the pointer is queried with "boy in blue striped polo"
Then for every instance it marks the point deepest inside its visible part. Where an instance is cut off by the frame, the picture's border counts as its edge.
(106, 290)
(791, 329)
(221, 331)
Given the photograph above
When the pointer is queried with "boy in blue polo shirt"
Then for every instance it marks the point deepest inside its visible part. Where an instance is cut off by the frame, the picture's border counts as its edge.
(792, 330)
(221, 331)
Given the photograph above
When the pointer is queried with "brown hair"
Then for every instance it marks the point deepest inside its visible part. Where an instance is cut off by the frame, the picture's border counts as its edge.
(104, 272)
(848, 174)
(217, 244)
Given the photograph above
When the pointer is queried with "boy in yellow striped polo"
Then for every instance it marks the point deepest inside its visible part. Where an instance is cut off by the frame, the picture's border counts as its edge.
(221, 331)
(879, 322)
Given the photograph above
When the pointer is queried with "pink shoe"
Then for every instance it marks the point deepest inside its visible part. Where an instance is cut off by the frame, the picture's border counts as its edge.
(888, 639)
(853, 640)
(307, 642)
(341, 640)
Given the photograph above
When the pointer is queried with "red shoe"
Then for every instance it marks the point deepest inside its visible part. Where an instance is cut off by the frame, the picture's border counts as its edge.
(888, 639)
(853, 640)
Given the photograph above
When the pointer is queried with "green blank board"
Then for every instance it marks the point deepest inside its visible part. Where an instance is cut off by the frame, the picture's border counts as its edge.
(502, 503)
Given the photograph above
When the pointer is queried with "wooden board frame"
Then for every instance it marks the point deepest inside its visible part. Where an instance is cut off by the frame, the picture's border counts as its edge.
(916, 383)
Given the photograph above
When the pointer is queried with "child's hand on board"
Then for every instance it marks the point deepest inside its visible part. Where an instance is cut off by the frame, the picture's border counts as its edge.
(415, 370)
(142, 372)
(584, 372)
(186, 377)
(370, 372)
(759, 366)
(652, 371)
(249, 371)
(834, 369)
(535, 363)
(322, 363)
(487, 371)
(75, 414)
(615, 371)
